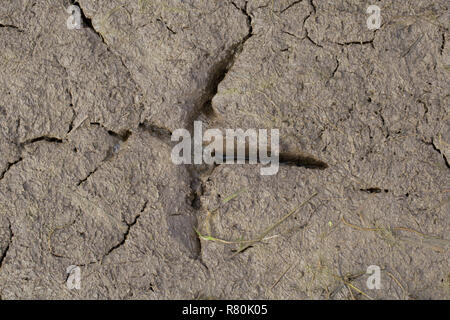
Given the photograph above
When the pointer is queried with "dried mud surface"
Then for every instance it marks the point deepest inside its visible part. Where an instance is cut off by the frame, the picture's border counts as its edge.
(86, 176)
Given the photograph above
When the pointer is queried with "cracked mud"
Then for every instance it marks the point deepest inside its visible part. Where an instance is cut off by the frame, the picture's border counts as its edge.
(86, 177)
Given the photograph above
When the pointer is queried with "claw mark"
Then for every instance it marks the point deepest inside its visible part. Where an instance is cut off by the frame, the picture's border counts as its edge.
(42, 138)
(10, 26)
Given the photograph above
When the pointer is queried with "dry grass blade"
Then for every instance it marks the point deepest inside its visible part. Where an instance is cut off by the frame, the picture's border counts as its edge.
(348, 284)
(234, 195)
(211, 238)
(269, 229)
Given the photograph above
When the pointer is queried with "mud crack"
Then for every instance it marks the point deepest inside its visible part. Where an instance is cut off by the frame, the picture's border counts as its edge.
(120, 137)
(87, 22)
(5, 252)
(290, 6)
(126, 233)
(9, 166)
(435, 147)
